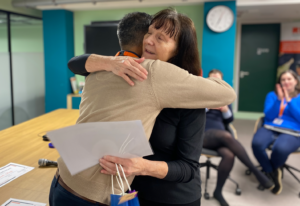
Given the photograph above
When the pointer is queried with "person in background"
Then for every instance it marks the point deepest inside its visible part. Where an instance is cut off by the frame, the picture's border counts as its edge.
(217, 138)
(282, 109)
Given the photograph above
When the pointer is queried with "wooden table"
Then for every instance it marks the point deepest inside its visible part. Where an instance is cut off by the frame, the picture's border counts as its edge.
(23, 144)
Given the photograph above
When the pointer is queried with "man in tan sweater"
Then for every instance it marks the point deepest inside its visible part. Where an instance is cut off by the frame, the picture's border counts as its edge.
(107, 97)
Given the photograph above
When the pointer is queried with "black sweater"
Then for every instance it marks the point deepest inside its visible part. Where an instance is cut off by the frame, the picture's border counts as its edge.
(177, 139)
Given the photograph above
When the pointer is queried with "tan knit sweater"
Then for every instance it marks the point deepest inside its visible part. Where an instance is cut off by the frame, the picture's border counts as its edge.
(107, 97)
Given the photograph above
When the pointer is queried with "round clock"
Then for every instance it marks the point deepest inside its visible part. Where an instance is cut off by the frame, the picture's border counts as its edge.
(220, 18)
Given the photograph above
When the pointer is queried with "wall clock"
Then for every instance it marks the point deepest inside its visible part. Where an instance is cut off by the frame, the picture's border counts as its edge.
(220, 18)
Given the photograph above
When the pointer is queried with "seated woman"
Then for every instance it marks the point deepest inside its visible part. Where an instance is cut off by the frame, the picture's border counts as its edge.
(217, 138)
(282, 109)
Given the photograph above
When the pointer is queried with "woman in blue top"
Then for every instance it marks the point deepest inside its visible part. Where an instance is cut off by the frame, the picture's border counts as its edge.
(282, 109)
(217, 138)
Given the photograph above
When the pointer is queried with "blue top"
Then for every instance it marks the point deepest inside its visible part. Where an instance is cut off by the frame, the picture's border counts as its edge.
(291, 114)
(215, 119)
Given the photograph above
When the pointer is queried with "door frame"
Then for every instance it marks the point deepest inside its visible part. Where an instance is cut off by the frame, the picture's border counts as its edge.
(237, 60)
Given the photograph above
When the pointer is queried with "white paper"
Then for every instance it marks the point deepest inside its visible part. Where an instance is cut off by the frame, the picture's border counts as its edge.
(82, 145)
(12, 171)
(16, 202)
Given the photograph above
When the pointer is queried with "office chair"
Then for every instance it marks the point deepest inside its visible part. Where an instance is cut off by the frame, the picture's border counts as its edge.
(258, 124)
(213, 153)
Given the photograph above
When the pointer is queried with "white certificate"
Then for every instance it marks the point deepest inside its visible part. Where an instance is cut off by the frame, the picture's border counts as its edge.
(82, 145)
(16, 202)
(12, 171)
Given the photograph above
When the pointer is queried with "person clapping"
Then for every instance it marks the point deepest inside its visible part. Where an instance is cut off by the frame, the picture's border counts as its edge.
(282, 110)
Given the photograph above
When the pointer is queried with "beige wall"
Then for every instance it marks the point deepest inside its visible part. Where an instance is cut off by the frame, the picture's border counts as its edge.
(7, 6)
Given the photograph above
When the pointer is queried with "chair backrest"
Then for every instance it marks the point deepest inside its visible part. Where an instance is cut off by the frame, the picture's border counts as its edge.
(259, 123)
(230, 128)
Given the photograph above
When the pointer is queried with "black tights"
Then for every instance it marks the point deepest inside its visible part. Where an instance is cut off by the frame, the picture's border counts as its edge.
(228, 148)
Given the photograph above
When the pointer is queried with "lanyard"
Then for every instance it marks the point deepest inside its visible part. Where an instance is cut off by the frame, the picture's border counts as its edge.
(126, 53)
(283, 105)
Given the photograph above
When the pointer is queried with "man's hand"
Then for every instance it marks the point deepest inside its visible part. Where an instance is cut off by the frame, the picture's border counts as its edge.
(128, 66)
(132, 166)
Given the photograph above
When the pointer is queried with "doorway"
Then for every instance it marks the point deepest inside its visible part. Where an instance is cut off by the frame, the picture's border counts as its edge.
(258, 65)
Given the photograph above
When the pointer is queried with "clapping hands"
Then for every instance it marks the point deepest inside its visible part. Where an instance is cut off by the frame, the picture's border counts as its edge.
(282, 93)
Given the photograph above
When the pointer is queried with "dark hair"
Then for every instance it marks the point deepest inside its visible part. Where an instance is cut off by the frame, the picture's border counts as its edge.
(181, 28)
(215, 71)
(297, 87)
(132, 28)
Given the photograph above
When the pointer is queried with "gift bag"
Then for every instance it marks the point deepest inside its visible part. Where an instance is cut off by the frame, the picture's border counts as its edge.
(123, 199)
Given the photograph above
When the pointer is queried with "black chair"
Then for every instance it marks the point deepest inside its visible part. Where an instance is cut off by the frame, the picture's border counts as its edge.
(259, 123)
(213, 153)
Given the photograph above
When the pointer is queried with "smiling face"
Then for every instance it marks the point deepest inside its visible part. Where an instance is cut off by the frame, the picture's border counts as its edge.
(288, 82)
(159, 45)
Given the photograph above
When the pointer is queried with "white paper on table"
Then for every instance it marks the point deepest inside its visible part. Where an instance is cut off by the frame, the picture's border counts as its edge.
(16, 202)
(12, 171)
(82, 145)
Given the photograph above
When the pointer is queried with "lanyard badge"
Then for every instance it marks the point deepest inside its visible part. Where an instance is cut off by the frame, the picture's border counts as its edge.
(283, 105)
(279, 120)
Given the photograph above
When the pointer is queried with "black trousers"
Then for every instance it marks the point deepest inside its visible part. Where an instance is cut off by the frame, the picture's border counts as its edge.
(59, 196)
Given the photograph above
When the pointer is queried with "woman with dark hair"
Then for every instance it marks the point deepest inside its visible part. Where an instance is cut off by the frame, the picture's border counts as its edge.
(217, 138)
(171, 176)
(154, 191)
(282, 110)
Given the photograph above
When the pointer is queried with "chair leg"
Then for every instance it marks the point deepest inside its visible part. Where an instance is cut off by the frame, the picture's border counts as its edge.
(214, 166)
(288, 168)
(208, 165)
(238, 191)
(293, 168)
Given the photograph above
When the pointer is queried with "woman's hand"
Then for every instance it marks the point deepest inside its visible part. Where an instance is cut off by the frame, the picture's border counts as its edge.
(279, 92)
(132, 166)
(127, 66)
(282, 93)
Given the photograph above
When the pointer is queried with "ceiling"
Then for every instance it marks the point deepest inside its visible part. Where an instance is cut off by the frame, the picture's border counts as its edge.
(247, 10)
(264, 11)
(117, 4)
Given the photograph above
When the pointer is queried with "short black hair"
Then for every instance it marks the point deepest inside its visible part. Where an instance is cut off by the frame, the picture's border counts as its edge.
(132, 28)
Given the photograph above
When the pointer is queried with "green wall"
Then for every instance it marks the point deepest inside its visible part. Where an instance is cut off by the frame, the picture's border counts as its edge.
(23, 39)
(6, 5)
(81, 18)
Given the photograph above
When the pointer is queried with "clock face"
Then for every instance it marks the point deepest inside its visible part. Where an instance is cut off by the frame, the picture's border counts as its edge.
(220, 18)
